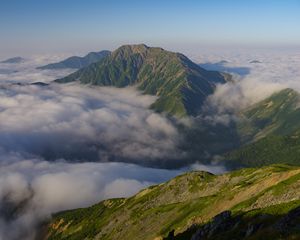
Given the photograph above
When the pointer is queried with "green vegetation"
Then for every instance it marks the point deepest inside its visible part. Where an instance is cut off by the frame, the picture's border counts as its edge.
(186, 203)
(271, 131)
(279, 114)
(268, 150)
(181, 85)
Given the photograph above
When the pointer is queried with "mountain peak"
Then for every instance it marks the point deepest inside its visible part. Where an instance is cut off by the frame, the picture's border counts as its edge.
(181, 85)
(134, 47)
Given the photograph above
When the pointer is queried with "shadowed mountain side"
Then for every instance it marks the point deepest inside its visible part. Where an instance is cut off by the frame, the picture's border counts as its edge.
(204, 141)
(268, 150)
(279, 222)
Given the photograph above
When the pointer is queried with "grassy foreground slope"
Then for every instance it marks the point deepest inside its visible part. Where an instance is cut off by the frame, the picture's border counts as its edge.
(179, 208)
(181, 85)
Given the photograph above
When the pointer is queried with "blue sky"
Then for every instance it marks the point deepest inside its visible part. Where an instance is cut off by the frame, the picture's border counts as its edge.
(53, 26)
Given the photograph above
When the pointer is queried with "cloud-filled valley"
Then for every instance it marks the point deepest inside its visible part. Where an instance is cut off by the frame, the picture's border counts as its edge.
(72, 125)
(70, 146)
(83, 124)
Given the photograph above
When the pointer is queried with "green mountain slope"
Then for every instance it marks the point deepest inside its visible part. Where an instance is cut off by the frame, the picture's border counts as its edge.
(273, 128)
(180, 84)
(268, 150)
(77, 62)
(186, 204)
(278, 114)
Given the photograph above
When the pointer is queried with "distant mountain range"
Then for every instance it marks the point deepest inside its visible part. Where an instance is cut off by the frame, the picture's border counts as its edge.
(255, 61)
(14, 60)
(249, 204)
(77, 62)
(181, 85)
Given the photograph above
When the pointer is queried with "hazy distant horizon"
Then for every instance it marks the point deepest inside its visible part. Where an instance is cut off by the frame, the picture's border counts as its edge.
(189, 50)
(77, 27)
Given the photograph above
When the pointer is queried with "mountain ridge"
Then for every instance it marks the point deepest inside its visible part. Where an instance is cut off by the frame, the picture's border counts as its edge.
(185, 204)
(76, 62)
(276, 114)
(271, 132)
(14, 60)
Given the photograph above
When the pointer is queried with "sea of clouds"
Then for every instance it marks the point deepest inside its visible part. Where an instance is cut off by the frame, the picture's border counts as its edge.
(61, 145)
(70, 126)
(257, 73)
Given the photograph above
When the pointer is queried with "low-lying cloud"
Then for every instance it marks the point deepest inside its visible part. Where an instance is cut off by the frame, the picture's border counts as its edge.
(57, 143)
(81, 123)
(31, 189)
(46, 129)
(257, 74)
(26, 72)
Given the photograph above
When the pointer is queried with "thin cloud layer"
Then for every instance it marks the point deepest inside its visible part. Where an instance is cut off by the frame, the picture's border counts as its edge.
(26, 72)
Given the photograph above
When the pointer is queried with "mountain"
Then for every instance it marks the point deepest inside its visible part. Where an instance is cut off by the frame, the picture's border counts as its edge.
(181, 85)
(77, 62)
(268, 150)
(278, 114)
(245, 204)
(271, 131)
(14, 60)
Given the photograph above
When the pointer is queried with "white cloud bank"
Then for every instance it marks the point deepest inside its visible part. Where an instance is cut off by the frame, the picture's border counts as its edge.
(273, 71)
(85, 123)
(75, 123)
